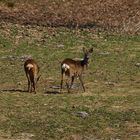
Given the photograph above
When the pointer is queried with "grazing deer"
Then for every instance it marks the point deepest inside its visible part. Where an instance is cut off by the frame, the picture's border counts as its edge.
(31, 69)
(74, 68)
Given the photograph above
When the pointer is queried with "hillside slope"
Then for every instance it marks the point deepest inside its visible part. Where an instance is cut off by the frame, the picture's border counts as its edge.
(117, 15)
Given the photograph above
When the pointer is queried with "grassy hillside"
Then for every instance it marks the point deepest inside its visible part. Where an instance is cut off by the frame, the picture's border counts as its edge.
(116, 15)
(51, 30)
(109, 109)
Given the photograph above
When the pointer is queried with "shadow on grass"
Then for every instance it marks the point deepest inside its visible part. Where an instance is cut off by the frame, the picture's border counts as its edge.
(13, 90)
(52, 92)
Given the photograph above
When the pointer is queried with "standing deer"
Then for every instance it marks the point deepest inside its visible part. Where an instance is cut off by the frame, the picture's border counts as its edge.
(74, 68)
(31, 70)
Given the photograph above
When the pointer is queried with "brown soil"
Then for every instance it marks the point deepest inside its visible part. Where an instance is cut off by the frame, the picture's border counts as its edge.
(114, 15)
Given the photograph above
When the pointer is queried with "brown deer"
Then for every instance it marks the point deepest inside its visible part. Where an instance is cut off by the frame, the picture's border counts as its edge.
(74, 68)
(31, 70)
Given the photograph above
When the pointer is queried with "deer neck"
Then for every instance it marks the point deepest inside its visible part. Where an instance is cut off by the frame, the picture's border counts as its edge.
(84, 61)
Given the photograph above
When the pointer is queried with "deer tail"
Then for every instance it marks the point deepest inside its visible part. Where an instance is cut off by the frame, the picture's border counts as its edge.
(29, 66)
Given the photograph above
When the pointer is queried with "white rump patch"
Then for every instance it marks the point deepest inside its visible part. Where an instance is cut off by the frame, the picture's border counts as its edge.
(65, 66)
(29, 66)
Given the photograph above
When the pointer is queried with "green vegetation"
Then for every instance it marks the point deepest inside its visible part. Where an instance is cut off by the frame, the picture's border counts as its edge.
(112, 85)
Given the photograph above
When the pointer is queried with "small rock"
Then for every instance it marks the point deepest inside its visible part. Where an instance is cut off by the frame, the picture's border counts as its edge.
(110, 83)
(24, 57)
(82, 114)
(55, 87)
(75, 86)
(60, 46)
(137, 64)
(27, 135)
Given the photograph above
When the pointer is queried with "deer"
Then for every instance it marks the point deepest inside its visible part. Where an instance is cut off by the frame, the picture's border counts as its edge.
(71, 68)
(31, 70)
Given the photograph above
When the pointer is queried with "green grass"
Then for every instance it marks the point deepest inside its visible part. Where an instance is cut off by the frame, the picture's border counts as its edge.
(112, 85)
(53, 116)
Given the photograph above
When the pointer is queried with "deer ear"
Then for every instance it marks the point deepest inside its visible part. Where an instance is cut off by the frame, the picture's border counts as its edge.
(84, 50)
(91, 50)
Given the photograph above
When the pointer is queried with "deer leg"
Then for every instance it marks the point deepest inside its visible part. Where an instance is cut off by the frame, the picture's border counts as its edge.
(29, 85)
(80, 78)
(72, 80)
(61, 85)
(62, 79)
(33, 85)
(29, 82)
(67, 84)
(68, 87)
(31, 88)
